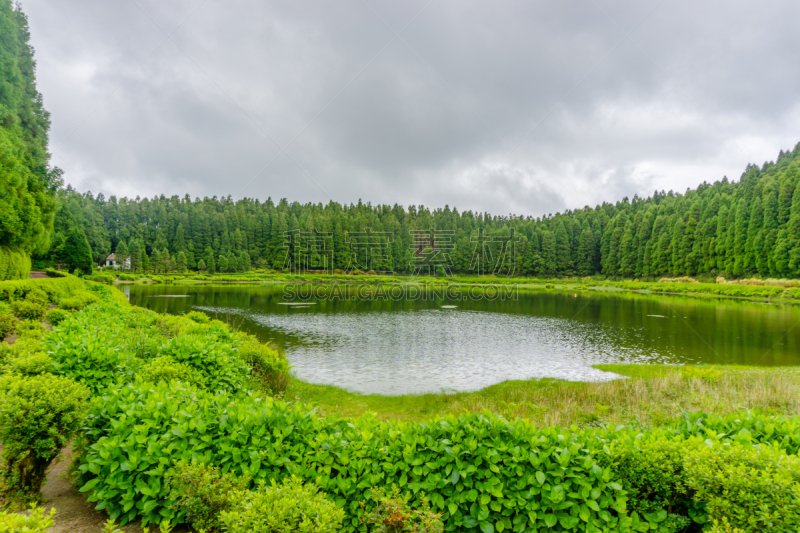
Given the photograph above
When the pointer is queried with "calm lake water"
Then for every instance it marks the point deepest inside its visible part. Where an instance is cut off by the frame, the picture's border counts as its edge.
(413, 344)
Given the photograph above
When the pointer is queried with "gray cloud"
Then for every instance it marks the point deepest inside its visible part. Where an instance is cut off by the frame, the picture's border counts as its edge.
(521, 107)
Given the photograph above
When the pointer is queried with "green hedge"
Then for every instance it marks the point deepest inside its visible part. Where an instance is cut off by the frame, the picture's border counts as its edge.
(482, 472)
(14, 264)
(55, 288)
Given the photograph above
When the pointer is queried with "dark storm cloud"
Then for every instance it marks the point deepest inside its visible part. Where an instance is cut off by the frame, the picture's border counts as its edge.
(521, 107)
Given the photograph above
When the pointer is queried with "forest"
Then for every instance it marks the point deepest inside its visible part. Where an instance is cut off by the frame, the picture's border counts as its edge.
(27, 182)
(749, 227)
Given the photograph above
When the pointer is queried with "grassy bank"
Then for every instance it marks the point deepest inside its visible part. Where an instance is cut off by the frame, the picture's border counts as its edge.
(779, 290)
(652, 395)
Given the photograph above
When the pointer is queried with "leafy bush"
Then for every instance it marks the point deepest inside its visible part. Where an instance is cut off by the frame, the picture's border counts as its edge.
(167, 369)
(211, 355)
(57, 316)
(197, 316)
(55, 288)
(29, 310)
(30, 329)
(36, 522)
(650, 469)
(91, 349)
(744, 427)
(291, 506)
(8, 323)
(78, 301)
(39, 415)
(269, 366)
(471, 468)
(202, 492)
(755, 488)
(392, 514)
(30, 364)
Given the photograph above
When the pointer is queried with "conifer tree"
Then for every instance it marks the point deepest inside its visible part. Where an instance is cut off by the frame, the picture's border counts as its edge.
(563, 260)
(549, 258)
(585, 264)
(740, 238)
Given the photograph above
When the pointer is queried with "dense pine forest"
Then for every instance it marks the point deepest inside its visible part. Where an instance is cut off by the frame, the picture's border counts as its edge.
(750, 227)
(27, 183)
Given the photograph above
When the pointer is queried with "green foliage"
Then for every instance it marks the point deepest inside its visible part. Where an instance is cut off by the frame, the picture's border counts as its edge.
(202, 492)
(54, 288)
(290, 506)
(392, 514)
(8, 324)
(198, 316)
(167, 369)
(77, 301)
(269, 366)
(29, 310)
(57, 316)
(650, 468)
(28, 185)
(32, 329)
(35, 522)
(14, 264)
(39, 415)
(212, 355)
(470, 467)
(755, 488)
(30, 364)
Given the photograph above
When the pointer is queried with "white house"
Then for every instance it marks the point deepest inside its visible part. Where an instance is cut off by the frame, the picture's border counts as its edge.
(111, 261)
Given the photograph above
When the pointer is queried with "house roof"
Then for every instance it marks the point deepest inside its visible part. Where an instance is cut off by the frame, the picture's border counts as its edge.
(110, 258)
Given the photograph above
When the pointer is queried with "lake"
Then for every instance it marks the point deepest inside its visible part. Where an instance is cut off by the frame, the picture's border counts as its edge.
(402, 342)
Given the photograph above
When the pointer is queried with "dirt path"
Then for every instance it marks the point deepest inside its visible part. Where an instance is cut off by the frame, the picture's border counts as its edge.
(73, 513)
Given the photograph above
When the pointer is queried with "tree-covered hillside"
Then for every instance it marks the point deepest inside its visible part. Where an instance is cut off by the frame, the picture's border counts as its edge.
(27, 183)
(743, 228)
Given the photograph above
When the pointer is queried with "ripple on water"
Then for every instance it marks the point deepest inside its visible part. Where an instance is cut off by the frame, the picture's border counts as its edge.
(432, 350)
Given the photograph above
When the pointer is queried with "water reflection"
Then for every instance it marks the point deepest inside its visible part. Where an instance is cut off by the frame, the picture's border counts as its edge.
(397, 347)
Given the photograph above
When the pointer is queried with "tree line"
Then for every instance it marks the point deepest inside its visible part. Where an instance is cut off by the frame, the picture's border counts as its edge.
(27, 182)
(749, 227)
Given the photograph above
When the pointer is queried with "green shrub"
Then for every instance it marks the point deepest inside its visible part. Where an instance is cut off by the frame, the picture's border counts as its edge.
(32, 329)
(93, 348)
(36, 522)
(392, 514)
(754, 488)
(212, 356)
(78, 301)
(55, 288)
(30, 364)
(471, 468)
(650, 469)
(37, 295)
(167, 369)
(291, 506)
(8, 324)
(57, 316)
(745, 427)
(269, 366)
(202, 492)
(39, 415)
(197, 316)
(29, 310)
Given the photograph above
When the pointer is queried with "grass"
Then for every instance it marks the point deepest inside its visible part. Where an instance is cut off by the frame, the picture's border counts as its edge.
(652, 395)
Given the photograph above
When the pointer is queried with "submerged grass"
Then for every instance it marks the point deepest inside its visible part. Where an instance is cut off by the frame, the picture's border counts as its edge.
(650, 396)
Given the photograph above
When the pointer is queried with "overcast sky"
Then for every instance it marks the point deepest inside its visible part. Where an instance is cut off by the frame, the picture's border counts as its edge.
(507, 107)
